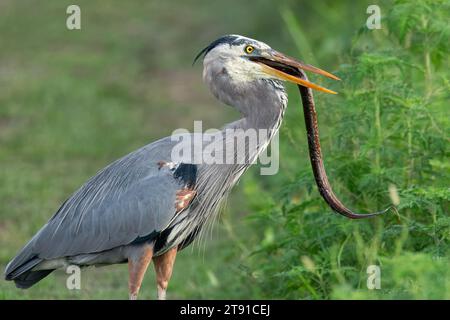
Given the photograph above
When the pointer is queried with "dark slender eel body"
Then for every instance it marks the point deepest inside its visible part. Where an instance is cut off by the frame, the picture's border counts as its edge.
(315, 155)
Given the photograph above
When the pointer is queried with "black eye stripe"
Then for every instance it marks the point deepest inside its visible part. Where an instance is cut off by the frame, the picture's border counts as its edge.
(231, 40)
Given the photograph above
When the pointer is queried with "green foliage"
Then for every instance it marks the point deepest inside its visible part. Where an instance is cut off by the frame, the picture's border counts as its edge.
(388, 127)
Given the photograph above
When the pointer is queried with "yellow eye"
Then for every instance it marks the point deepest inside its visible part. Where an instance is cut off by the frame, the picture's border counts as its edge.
(249, 49)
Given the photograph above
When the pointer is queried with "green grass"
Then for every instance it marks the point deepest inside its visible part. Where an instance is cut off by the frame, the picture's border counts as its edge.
(73, 101)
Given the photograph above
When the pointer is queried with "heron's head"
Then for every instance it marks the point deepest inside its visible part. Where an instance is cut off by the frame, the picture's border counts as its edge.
(237, 60)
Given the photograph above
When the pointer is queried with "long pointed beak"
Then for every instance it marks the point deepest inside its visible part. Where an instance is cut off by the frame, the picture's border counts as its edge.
(286, 68)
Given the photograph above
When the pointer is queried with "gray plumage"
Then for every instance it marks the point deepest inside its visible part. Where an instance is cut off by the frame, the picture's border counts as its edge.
(132, 200)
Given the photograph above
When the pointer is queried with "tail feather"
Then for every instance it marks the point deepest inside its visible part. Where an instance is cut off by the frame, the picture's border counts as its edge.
(23, 274)
(14, 270)
(29, 278)
(20, 269)
(22, 262)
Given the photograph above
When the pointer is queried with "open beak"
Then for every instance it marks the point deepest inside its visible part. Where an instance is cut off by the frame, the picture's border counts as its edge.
(286, 68)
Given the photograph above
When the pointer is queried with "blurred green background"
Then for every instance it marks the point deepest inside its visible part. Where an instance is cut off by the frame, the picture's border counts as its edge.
(73, 101)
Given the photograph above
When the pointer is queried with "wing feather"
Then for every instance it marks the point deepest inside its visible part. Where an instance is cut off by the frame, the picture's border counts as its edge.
(130, 198)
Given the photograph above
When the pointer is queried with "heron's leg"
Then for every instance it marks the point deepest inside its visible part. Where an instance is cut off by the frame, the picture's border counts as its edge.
(137, 265)
(163, 267)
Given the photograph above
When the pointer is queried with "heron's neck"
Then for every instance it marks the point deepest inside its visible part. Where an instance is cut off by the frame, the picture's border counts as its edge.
(262, 107)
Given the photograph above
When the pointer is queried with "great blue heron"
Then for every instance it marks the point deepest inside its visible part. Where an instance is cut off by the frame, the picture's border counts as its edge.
(145, 206)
